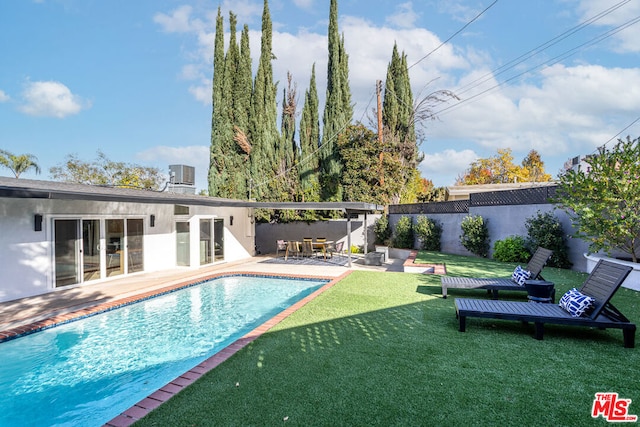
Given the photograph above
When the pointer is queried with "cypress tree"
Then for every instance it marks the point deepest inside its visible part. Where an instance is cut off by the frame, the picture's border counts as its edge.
(390, 108)
(263, 131)
(345, 90)
(230, 153)
(288, 150)
(406, 115)
(241, 108)
(337, 112)
(398, 117)
(217, 172)
(309, 143)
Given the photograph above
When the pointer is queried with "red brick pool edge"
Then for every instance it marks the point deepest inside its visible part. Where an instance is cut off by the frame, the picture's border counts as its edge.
(160, 396)
(410, 266)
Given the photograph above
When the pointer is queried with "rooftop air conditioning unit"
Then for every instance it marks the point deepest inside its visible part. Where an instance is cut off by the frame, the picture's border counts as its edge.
(182, 174)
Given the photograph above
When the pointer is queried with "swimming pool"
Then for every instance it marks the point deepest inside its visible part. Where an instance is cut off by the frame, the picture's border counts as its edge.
(88, 371)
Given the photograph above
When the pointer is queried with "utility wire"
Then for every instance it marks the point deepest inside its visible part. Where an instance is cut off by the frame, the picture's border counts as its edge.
(454, 34)
(552, 61)
(332, 137)
(627, 127)
(538, 49)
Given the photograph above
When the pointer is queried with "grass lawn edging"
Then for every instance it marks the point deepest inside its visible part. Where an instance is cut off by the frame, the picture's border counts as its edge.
(410, 266)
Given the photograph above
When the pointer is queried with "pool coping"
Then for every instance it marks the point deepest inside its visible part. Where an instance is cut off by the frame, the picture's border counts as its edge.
(164, 393)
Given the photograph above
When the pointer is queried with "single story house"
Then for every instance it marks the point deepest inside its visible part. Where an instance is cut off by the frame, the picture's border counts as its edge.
(57, 235)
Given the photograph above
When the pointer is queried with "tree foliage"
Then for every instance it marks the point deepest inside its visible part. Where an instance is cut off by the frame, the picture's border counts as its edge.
(218, 167)
(287, 156)
(103, 171)
(263, 129)
(372, 171)
(500, 169)
(251, 157)
(309, 142)
(338, 111)
(604, 200)
(19, 163)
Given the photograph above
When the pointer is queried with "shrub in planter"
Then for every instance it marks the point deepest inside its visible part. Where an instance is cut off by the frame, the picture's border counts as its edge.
(382, 230)
(404, 233)
(429, 232)
(475, 235)
(544, 229)
(511, 249)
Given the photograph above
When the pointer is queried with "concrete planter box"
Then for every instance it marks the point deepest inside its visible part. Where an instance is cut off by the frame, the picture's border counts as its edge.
(395, 253)
(374, 258)
(633, 279)
(384, 250)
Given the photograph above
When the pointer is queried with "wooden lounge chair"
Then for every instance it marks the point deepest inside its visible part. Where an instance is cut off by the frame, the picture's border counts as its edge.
(493, 285)
(602, 283)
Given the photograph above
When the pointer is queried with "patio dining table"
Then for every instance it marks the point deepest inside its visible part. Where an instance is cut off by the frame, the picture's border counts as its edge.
(296, 246)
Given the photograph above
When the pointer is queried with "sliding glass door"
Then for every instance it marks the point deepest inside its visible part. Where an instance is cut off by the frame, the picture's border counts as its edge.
(135, 239)
(67, 252)
(218, 239)
(91, 249)
(114, 239)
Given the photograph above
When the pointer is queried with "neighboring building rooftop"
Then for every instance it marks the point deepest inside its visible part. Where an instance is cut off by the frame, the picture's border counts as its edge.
(462, 192)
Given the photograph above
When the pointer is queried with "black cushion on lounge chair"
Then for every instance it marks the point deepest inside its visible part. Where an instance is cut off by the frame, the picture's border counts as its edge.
(602, 283)
(535, 266)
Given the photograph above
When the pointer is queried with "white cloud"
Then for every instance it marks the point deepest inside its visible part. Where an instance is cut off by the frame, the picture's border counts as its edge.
(304, 4)
(4, 97)
(444, 167)
(201, 93)
(51, 99)
(179, 21)
(627, 40)
(404, 17)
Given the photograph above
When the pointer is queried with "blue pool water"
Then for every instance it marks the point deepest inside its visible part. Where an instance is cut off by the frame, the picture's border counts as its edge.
(86, 372)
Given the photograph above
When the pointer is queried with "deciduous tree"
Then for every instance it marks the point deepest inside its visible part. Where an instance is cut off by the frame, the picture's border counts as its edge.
(500, 169)
(103, 171)
(604, 200)
(372, 172)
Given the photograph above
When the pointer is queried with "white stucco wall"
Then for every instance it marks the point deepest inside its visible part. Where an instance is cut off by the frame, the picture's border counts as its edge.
(27, 256)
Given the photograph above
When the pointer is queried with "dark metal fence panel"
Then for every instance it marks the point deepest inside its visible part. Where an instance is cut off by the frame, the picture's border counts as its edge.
(456, 206)
(525, 196)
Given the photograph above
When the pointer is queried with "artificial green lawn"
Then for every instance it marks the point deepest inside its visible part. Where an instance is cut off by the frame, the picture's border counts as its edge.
(384, 349)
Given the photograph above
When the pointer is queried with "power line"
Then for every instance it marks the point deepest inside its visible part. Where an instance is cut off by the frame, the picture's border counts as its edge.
(541, 48)
(552, 61)
(627, 127)
(454, 34)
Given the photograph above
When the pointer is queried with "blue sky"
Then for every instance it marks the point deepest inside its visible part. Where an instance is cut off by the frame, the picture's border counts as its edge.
(133, 78)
